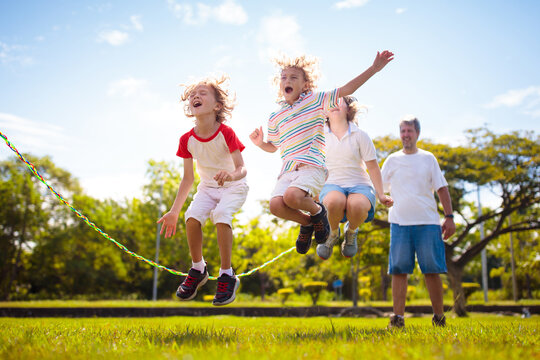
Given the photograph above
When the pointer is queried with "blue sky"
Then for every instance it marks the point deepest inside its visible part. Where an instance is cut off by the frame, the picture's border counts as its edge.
(95, 84)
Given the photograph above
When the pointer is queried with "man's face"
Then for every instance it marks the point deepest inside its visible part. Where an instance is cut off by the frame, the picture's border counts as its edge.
(292, 84)
(408, 136)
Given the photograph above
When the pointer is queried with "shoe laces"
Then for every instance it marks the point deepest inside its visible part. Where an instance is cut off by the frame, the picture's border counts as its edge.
(189, 281)
(304, 236)
(222, 286)
(350, 237)
(318, 226)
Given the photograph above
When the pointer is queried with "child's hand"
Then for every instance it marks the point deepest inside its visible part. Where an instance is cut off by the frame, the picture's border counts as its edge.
(382, 59)
(168, 224)
(257, 136)
(386, 200)
(223, 176)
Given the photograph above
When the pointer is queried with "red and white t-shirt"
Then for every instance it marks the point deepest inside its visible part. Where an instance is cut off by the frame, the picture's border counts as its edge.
(211, 154)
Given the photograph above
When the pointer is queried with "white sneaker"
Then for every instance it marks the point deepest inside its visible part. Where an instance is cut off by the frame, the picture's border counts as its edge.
(325, 250)
(349, 247)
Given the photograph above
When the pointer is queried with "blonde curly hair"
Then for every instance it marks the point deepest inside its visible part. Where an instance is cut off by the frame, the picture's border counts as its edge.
(308, 64)
(222, 95)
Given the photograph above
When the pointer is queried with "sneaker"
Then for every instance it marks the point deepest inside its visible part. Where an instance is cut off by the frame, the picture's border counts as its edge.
(321, 226)
(439, 321)
(396, 322)
(226, 289)
(325, 250)
(303, 242)
(349, 246)
(193, 282)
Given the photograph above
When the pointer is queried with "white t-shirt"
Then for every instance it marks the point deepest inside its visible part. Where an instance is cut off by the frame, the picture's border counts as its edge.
(411, 180)
(212, 154)
(346, 157)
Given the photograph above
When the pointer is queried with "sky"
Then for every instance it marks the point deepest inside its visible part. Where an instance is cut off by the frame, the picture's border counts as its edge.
(95, 85)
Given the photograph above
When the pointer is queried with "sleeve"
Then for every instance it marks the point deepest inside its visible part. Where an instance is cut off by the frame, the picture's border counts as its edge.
(273, 131)
(437, 178)
(386, 174)
(183, 151)
(330, 99)
(232, 140)
(366, 147)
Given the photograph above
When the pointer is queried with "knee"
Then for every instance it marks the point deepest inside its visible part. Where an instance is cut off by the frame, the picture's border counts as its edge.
(334, 205)
(276, 205)
(292, 199)
(360, 208)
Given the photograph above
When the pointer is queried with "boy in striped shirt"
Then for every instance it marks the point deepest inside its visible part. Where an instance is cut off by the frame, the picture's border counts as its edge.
(297, 129)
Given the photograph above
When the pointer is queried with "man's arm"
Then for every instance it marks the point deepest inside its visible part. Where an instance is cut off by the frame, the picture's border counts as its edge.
(448, 226)
(378, 64)
(257, 137)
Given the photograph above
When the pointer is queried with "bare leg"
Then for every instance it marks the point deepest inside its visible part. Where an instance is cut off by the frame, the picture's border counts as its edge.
(335, 202)
(358, 206)
(281, 210)
(225, 239)
(399, 293)
(195, 238)
(435, 289)
(298, 199)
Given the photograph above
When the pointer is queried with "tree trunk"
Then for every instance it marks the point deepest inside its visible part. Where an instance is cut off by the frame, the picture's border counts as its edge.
(385, 283)
(455, 274)
(262, 282)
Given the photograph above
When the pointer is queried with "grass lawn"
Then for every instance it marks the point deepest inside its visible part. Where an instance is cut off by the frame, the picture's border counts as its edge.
(225, 337)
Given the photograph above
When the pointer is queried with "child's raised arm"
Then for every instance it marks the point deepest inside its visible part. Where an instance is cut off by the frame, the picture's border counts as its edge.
(257, 137)
(170, 219)
(378, 64)
(376, 179)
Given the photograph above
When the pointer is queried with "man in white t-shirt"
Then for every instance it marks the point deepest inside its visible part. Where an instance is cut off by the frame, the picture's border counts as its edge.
(412, 175)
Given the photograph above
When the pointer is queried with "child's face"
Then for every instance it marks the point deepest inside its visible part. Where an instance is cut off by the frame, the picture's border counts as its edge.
(339, 112)
(292, 84)
(202, 101)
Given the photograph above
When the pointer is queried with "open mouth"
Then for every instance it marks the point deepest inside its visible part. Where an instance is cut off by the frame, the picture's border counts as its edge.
(288, 90)
(196, 103)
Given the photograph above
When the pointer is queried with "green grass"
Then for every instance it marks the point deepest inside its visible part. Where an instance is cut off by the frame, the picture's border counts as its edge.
(225, 337)
(241, 301)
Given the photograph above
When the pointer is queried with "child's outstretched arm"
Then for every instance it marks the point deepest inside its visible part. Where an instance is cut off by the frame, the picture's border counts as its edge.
(169, 220)
(378, 64)
(376, 179)
(257, 137)
(238, 173)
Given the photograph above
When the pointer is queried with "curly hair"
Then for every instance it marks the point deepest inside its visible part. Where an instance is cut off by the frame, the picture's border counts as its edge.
(222, 95)
(308, 64)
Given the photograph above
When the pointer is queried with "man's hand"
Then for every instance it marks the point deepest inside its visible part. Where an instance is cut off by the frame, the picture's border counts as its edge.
(223, 176)
(168, 224)
(448, 228)
(386, 200)
(382, 59)
(257, 136)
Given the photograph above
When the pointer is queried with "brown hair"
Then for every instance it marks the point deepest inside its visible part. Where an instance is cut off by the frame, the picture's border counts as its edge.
(308, 64)
(410, 120)
(352, 109)
(221, 94)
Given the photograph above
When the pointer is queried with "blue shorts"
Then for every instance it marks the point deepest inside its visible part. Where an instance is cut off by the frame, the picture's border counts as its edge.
(365, 190)
(424, 240)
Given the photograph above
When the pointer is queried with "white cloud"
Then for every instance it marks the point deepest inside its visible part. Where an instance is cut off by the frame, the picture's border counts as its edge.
(127, 87)
(400, 10)
(228, 12)
(527, 100)
(14, 54)
(136, 22)
(346, 4)
(32, 135)
(113, 37)
(280, 34)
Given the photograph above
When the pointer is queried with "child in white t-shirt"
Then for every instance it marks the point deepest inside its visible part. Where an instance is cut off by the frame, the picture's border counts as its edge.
(349, 192)
(221, 192)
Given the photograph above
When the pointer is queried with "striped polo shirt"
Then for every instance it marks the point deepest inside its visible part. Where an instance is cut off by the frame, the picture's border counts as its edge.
(298, 129)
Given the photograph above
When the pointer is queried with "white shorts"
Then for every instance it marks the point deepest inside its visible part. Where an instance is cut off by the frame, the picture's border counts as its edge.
(218, 204)
(308, 178)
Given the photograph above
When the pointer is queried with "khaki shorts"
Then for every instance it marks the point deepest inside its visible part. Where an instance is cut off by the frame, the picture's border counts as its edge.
(308, 178)
(218, 204)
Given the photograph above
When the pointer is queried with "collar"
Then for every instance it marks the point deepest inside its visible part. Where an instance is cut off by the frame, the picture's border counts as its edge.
(285, 104)
(352, 128)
